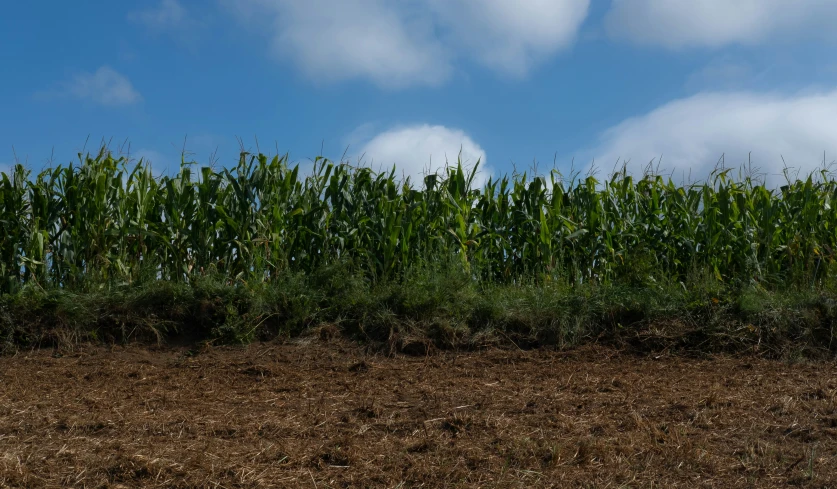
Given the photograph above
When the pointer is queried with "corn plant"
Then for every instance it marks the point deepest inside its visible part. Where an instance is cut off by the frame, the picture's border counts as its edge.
(105, 220)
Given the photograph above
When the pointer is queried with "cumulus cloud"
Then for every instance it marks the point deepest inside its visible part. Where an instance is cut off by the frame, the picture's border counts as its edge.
(510, 37)
(713, 23)
(423, 149)
(415, 42)
(105, 87)
(169, 14)
(343, 39)
(692, 134)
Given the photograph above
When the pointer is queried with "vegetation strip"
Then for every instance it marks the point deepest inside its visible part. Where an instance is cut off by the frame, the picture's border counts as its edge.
(103, 249)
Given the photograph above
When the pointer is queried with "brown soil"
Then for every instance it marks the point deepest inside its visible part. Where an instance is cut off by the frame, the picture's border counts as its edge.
(326, 414)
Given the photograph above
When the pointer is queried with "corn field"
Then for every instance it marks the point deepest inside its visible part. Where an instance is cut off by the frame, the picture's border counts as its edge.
(105, 220)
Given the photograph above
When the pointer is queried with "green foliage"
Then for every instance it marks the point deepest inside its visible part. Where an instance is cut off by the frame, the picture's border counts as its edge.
(105, 250)
(105, 222)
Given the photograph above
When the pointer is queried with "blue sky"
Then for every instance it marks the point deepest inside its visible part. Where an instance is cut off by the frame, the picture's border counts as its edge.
(413, 81)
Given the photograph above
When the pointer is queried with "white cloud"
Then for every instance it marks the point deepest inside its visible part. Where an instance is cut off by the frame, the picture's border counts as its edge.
(511, 37)
(692, 134)
(105, 87)
(356, 38)
(422, 149)
(169, 14)
(713, 23)
(415, 42)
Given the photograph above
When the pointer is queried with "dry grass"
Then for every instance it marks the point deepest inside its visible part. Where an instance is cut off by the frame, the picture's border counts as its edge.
(325, 414)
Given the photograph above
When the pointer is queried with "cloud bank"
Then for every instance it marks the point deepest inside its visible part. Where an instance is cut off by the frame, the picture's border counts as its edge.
(677, 24)
(692, 134)
(414, 42)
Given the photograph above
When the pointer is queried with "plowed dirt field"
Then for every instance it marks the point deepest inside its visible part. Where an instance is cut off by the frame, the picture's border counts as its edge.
(328, 414)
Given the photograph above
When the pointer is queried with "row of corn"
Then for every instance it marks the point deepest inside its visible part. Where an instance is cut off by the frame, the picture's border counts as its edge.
(105, 220)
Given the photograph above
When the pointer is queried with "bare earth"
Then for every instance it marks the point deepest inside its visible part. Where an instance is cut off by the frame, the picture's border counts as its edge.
(326, 414)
